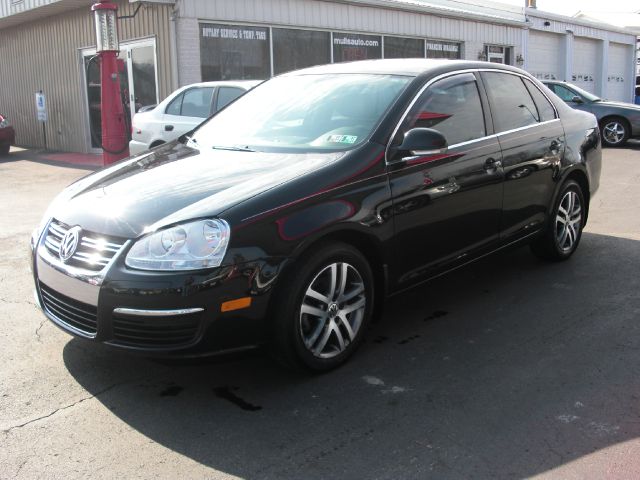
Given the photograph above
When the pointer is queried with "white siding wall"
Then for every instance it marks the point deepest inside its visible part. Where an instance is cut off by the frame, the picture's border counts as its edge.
(585, 63)
(344, 17)
(188, 48)
(620, 80)
(546, 55)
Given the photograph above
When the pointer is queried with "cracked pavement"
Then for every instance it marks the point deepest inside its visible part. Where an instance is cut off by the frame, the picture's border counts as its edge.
(509, 368)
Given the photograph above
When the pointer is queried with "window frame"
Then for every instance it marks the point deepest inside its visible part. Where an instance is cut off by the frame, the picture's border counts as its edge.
(214, 94)
(533, 85)
(181, 95)
(487, 126)
(524, 86)
(214, 103)
(491, 133)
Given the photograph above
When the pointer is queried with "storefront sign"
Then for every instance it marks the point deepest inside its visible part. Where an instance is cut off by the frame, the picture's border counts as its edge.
(443, 47)
(348, 47)
(235, 33)
(41, 106)
(438, 49)
(234, 52)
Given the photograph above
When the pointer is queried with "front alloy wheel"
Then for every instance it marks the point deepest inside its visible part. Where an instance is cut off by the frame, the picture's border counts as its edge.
(332, 310)
(322, 307)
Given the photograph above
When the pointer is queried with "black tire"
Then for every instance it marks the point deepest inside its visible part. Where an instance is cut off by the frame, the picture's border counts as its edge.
(550, 245)
(4, 150)
(615, 131)
(155, 144)
(291, 325)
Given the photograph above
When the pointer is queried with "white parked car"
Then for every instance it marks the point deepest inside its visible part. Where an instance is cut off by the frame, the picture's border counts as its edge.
(183, 110)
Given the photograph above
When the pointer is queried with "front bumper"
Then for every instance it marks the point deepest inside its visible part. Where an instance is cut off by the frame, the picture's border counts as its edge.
(156, 313)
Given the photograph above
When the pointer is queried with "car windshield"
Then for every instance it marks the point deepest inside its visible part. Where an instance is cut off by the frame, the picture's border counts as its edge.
(303, 113)
(583, 93)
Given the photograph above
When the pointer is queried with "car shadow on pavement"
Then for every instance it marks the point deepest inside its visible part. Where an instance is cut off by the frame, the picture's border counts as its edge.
(506, 368)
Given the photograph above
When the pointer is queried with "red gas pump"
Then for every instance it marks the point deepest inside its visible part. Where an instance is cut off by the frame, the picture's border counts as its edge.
(115, 142)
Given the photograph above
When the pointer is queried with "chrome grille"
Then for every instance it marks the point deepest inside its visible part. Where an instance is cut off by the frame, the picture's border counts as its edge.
(94, 251)
(78, 315)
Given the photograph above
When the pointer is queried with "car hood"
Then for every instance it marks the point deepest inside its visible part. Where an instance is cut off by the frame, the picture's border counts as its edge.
(610, 103)
(175, 183)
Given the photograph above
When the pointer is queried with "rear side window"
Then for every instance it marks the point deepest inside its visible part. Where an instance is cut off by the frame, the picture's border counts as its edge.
(175, 106)
(546, 111)
(226, 95)
(511, 105)
(451, 106)
(197, 102)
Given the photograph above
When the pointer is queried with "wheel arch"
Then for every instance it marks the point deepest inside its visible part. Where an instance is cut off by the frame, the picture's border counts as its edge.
(365, 243)
(156, 143)
(578, 175)
(610, 116)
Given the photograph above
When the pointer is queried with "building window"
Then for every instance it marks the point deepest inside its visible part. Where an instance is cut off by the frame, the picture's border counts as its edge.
(232, 52)
(439, 49)
(498, 54)
(398, 47)
(348, 47)
(294, 49)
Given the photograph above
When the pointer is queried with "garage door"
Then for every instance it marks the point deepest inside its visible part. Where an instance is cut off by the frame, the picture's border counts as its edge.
(585, 63)
(619, 85)
(545, 55)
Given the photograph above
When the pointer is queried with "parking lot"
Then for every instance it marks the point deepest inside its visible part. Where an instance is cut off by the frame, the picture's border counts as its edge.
(508, 368)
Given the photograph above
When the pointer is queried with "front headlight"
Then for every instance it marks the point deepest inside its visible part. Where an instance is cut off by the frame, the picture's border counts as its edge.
(191, 246)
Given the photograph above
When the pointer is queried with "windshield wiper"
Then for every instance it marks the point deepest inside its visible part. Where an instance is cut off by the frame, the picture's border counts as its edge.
(232, 148)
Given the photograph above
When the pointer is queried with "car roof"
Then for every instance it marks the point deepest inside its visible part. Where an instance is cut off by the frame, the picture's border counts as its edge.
(226, 83)
(400, 66)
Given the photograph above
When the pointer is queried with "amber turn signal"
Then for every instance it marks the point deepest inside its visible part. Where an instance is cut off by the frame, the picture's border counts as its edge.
(236, 304)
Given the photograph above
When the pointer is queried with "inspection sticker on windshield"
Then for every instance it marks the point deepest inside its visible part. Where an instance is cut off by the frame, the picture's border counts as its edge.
(342, 138)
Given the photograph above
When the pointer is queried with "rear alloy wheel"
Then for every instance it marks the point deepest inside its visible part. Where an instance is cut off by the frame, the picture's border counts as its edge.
(321, 318)
(568, 221)
(614, 132)
(564, 230)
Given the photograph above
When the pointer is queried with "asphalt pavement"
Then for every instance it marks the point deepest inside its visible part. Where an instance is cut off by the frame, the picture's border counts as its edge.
(508, 368)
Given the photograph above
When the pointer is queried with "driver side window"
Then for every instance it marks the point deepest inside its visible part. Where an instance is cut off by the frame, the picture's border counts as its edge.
(451, 106)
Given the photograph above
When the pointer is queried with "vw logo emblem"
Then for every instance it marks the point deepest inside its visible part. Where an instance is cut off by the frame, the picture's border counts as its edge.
(69, 243)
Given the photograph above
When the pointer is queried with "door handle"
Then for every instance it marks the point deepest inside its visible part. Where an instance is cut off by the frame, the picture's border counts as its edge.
(168, 128)
(492, 164)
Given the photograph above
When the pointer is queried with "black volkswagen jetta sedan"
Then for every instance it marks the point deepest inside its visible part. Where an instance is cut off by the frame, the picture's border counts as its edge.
(290, 215)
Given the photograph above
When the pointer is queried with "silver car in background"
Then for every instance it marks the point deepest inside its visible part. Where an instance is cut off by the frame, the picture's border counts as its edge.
(619, 121)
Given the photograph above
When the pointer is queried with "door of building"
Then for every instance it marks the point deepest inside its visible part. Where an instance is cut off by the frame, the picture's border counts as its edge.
(138, 84)
(496, 54)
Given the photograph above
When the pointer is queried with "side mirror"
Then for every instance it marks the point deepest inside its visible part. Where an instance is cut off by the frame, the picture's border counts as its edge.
(422, 141)
(577, 99)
